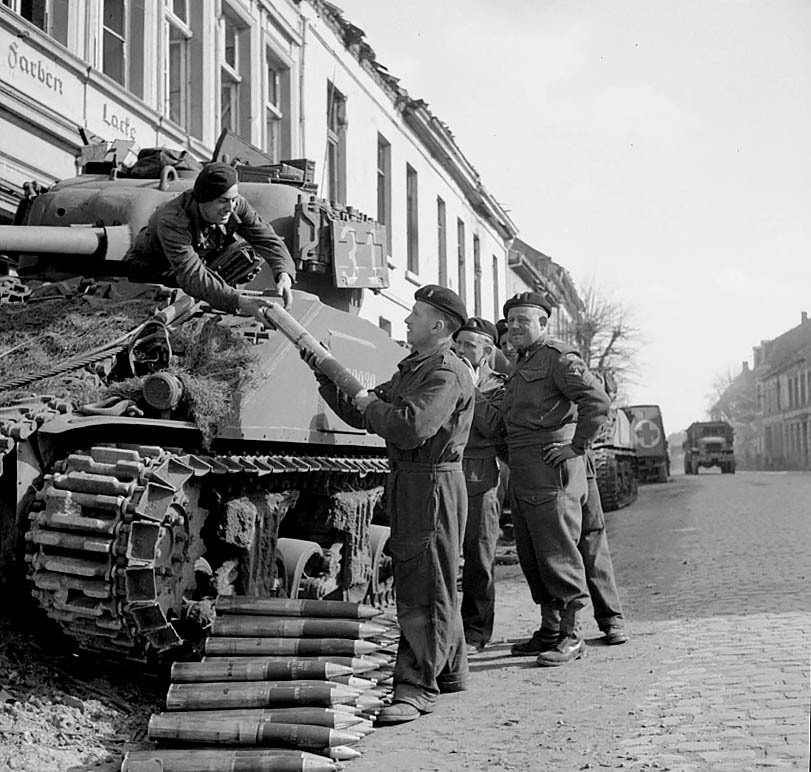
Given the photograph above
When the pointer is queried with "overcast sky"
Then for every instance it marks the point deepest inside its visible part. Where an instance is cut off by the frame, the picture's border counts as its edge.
(662, 147)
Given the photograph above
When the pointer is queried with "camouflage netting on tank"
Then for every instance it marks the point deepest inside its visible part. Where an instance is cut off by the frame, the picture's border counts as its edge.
(213, 361)
(35, 337)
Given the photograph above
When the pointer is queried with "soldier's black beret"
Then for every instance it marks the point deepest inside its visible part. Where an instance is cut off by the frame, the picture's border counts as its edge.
(215, 179)
(501, 327)
(535, 299)
(480, 326)
(444, 299)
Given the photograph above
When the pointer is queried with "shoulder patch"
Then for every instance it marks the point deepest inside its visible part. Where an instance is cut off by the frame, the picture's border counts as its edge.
(575, 364)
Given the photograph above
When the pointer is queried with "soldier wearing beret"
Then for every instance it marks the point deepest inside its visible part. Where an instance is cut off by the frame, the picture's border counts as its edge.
(476, 341)
(184, 235)
(554, 406)
(424, 413)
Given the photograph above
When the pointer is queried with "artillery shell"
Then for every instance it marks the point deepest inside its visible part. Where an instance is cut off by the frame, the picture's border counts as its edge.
(285, 607)
(292, 627)
(333, 719)
(225, 760)
(287, 647)
(342, 753)
(357, 665)
(243, 669)
(354, 681)
(257, 694)
(237, 731)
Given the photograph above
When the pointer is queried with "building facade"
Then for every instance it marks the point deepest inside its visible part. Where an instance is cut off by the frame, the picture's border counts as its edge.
(295, 79)
(531, 270)
(783, 370)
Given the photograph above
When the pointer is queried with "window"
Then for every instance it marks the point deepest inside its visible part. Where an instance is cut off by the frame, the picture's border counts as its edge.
(122, 48)
(496, 290)
(51, 16)
(442, 242)
(183, 80)
(412, 221)
(235, 63)
(460, 246)
(277, 99)
(477, 277)
(384, 187)
(336, 144)
(384, 324)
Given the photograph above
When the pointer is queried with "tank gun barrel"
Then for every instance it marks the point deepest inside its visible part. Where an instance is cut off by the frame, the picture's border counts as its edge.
(111, 242)
(304, 341)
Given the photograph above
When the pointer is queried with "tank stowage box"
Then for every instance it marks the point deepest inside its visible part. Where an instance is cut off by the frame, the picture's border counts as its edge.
(708, 444)
(154, 453)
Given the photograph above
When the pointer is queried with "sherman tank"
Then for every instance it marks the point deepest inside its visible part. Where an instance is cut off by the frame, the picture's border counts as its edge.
(155, 453)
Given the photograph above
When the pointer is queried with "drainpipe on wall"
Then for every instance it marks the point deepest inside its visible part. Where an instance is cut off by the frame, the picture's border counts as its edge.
(307, 12)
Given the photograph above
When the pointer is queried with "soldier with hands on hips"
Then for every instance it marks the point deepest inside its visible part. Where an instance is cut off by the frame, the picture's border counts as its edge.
(424, 413)
(553, 406)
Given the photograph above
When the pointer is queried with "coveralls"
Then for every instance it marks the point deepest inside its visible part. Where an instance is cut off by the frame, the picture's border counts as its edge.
(551, 396)
(175, 243)
(483, 507)
(593, 547)
(424, 413)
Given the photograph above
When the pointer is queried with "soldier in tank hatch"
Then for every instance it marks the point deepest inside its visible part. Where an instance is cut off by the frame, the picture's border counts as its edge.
(475, 341)
(553, 406)
(189, 233)
(424, 413)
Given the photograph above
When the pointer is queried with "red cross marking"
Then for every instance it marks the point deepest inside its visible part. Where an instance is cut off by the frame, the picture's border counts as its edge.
(647, 433)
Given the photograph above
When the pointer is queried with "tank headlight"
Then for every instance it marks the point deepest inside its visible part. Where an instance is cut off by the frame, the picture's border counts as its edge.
(162, 391)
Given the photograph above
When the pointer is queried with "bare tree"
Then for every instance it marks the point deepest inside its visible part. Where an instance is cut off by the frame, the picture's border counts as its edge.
(606, 335)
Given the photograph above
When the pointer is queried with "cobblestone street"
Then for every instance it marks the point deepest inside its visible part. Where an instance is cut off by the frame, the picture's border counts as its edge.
(713, 572)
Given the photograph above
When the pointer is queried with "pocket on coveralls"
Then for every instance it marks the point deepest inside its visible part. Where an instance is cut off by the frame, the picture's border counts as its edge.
(413, 569)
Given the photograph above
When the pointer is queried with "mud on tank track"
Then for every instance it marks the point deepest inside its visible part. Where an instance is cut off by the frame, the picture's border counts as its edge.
(116, 534)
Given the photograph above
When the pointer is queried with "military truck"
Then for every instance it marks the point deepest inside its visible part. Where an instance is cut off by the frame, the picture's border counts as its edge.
(155, 453)
(653, 457)
(709, 444)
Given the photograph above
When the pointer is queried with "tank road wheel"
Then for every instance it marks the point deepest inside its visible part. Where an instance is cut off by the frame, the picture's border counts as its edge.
(112, 541)
(302, 561)
(381, 590)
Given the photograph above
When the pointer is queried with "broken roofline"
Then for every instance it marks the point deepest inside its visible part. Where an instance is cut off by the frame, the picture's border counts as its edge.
(435, 136)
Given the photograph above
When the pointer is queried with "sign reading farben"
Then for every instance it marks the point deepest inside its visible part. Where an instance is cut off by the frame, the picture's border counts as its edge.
(33, 67)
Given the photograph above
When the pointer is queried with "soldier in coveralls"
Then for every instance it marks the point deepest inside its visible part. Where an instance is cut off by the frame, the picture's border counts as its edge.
(424, 413)
(554, 406)
(189, 231)
(476, 341)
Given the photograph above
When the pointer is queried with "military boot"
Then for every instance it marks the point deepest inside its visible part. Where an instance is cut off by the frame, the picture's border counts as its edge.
(569, 645)
(543, 639)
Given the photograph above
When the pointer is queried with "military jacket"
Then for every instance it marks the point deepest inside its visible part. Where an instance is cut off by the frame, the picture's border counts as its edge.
(550, 395)
(424, 412)
(488, 433)
(175, 238)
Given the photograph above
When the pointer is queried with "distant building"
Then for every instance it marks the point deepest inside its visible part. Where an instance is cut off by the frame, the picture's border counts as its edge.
(531, 270)
(782, 368)
(294, 78)
(738, 406)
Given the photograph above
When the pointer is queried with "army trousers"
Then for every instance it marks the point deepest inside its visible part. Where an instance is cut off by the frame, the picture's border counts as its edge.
(593, 547)
(479, 548)
(427, 506)
(547, 514)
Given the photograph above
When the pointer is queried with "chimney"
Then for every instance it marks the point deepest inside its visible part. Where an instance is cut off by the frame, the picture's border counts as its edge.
(803, 317)
(745, 368)
(756, 351)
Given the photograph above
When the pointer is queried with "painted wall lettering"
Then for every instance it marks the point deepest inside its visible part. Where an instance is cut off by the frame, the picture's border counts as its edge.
(35, 68)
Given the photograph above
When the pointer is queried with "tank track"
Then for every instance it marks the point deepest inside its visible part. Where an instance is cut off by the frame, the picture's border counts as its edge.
(616, 478)
(114, 534)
